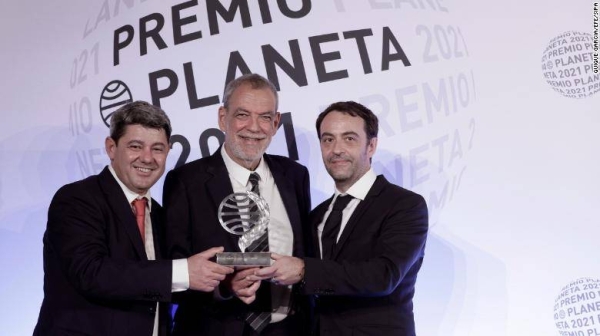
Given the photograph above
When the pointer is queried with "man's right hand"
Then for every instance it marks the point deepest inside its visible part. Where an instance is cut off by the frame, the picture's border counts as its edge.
(205, 275)
(244, 288)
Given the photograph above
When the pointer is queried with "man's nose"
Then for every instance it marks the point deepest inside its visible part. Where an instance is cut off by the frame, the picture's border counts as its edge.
(337, 147)
(253, 124)
(146, 155)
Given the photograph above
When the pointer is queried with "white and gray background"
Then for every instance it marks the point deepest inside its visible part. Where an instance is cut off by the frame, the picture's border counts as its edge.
(495, 122)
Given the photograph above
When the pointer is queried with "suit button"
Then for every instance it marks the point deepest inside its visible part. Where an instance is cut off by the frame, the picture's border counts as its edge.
(152, 309)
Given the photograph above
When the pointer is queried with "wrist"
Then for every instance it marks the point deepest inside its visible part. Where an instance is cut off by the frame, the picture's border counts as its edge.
(301, 272)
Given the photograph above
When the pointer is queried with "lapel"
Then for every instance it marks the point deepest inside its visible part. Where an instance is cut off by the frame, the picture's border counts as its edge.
(361, 209)
(218, 185)
(316, 218)
(286, 191)
(156, 218)
(123, 215)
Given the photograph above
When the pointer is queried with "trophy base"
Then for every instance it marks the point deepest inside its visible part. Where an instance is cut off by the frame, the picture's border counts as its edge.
(244, 258)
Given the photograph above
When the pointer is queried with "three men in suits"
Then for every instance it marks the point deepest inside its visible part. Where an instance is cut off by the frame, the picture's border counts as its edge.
(368, 239)
(192, 194)
(104, 274)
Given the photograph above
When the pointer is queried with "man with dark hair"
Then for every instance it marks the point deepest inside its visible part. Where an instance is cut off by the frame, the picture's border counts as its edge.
(102, 259)
(367, 239)
(192, 194)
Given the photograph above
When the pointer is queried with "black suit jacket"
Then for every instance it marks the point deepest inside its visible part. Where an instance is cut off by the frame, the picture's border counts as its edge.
(368, 286)
(97, 278)
(192, 194)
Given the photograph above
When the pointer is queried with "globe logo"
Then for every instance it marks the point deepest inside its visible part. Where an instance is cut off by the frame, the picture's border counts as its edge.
(114, 95)
(567, 65)
(577, 308)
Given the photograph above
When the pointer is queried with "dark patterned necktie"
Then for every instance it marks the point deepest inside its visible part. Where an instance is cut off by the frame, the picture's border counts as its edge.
(332, 225)
(253, 179)
(258, 320)
(262, 243)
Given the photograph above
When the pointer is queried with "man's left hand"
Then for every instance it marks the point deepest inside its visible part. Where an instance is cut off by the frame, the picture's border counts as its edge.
(285, 271)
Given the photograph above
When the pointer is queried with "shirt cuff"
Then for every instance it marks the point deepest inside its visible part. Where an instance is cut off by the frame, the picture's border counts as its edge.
(181, 276)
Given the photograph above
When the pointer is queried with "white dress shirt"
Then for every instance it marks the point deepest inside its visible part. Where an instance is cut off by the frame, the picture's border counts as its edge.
(281, 236)
(180, 274)
(359, 191)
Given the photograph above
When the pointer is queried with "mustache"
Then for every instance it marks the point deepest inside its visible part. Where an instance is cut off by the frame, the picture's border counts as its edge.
(338, 157)
(252, 136)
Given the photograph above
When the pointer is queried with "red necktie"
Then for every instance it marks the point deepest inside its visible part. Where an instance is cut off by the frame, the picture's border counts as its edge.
(140, 213)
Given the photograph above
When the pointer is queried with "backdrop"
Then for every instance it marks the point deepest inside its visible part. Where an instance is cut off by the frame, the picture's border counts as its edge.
(487, 109)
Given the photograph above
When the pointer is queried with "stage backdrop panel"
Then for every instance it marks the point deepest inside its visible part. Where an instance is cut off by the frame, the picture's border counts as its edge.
(488, 110)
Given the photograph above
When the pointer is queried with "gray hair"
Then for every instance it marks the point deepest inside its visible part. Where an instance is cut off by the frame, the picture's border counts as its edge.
(255, 81)
(138, 113)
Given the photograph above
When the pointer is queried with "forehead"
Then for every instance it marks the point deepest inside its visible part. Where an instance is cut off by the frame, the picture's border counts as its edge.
(144, 134)
(245, 95)
(337, 122)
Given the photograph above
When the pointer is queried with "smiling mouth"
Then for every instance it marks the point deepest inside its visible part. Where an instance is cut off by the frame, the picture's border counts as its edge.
(339, 163)
(144, 170)
(245, 138)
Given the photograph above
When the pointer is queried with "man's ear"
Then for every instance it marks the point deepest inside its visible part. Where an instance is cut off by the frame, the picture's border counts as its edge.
(276, 121)
(111, 147)
(221, 117)
(372, 147)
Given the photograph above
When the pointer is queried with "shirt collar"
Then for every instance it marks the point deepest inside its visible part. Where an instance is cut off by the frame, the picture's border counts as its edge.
(130, 195)
(361, 187)
(239, 173)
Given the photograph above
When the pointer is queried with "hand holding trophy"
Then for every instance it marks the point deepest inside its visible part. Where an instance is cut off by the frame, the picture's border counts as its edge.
(245, 214)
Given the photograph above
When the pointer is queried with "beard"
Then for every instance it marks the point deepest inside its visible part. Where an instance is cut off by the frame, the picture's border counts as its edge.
(340, 173)
(248, 152)
(345, 169)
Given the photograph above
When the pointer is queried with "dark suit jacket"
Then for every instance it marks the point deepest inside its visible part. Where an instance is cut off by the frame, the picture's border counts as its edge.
(97, 278)
(192, 194)
(368, 286)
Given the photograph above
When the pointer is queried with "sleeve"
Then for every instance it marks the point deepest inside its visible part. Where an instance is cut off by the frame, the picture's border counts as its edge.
(307, 197)
(178, 240)
(398, 246)
(77, 237)
(305, 207)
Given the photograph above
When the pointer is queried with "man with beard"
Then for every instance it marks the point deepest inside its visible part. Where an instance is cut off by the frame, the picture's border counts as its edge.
(192, 194)
(367, 239)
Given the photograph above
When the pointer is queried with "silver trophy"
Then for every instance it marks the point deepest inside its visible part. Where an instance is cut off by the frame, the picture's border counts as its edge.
(247, 215)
